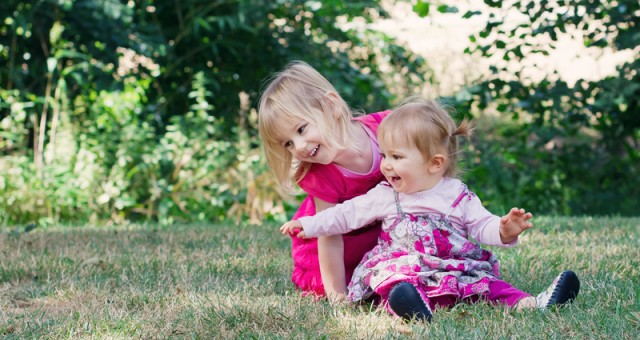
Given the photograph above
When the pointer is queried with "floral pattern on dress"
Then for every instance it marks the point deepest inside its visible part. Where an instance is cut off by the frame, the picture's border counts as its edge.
(428, 252)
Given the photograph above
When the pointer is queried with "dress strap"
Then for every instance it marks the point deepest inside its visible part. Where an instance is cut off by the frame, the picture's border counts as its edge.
(463, 194)
(398, 207)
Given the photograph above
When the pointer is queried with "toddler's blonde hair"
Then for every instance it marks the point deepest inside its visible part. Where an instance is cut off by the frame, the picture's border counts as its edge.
(299, 92)
(429, 127)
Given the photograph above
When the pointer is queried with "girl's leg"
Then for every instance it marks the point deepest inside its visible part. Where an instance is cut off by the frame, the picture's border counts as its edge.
(331, 258)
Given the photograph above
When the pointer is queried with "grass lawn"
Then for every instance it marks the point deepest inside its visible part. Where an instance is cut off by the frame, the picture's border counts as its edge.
(225, 281)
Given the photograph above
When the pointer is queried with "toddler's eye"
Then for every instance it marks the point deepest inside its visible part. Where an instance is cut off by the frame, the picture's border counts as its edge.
(301, 129)
(396, 157)
(287, 144)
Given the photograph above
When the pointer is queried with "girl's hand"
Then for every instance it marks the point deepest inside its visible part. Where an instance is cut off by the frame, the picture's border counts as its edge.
(291, 227)
(339, 299)
(513, 224)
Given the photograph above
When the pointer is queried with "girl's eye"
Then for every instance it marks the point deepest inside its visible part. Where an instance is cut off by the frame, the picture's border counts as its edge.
(287, 144)
(396, 157)
(301, 129)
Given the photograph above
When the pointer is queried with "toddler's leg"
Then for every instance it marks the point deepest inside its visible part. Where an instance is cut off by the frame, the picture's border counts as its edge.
(406, 302)
(564, 289)
(504, 293)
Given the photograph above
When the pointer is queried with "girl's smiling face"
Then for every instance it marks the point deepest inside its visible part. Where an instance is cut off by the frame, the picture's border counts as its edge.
(303, 140)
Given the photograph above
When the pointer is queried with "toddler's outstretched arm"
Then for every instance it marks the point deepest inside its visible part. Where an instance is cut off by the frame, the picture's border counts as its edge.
(513, 224)
(290, 228)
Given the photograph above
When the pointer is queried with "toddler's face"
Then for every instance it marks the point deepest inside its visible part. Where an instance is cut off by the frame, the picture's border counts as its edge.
(405, 168)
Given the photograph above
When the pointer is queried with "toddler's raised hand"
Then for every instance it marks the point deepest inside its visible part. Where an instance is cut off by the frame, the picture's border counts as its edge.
(513, 224)
(291, 227)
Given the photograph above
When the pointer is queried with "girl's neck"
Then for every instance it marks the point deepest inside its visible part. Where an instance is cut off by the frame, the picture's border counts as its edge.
(357, 157)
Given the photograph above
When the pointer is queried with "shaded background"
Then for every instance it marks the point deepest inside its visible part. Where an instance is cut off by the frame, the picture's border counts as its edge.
(114, 111)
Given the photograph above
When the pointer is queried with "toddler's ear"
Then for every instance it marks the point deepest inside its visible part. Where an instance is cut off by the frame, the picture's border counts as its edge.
(438, 162)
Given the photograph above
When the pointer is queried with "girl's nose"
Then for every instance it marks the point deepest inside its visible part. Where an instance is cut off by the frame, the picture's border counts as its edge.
(299, 145)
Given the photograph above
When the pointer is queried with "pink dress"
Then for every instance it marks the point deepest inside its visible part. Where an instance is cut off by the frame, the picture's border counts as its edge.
(424, 241)
(328, 183)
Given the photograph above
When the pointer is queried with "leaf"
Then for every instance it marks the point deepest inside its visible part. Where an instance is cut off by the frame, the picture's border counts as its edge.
(447, 9)
(70, 54)
(29, 227)
(421, 8)
(493, 3)
(51, 64)
(204, 24)
(469, 14)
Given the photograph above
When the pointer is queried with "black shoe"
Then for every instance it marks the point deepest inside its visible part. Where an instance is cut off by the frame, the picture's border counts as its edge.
(563, 290)
(407, 303)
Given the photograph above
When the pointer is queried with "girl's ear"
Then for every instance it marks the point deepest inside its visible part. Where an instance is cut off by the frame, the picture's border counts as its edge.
(437, 163)
(332, 103)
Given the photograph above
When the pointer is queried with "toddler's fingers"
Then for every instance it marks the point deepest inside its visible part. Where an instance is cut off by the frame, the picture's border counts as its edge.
(504, 219)
(286, 230)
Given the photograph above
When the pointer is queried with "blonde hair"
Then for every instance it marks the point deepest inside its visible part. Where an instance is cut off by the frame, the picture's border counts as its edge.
(299, 92)
(428, 126)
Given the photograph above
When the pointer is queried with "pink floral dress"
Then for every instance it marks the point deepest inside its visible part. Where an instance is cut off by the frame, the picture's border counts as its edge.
(428, 252)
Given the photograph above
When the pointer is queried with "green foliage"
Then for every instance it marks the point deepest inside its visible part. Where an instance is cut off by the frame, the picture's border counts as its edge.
(563, 148)
(117, 110)
(120, 110)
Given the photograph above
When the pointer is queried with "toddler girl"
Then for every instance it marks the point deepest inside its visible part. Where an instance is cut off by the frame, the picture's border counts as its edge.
(311, 139)
(424, 257)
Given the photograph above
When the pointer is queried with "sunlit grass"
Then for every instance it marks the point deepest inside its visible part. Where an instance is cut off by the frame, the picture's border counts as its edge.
(227, 281)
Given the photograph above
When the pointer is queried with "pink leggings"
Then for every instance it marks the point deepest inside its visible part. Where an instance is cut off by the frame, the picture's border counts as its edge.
(500, 292)
(504, 293)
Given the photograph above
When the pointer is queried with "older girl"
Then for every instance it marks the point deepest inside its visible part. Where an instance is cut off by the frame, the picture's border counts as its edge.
(311, 139)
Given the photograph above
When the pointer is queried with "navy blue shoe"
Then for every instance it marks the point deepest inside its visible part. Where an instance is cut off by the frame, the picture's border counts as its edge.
(407, 303)
(564, 289)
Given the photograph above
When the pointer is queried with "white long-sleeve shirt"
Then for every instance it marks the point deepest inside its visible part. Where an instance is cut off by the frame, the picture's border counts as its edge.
(469, 217)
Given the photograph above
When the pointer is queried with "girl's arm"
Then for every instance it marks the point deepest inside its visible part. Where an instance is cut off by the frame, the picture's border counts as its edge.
(331, 258)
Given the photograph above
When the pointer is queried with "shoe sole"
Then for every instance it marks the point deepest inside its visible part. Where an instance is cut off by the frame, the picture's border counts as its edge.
(407, 303)
(566, 290)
